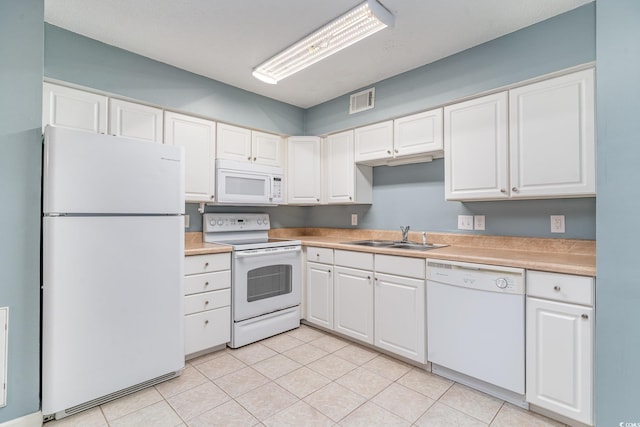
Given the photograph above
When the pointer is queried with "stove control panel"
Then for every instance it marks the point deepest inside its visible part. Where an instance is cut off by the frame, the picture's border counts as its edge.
(218, 222)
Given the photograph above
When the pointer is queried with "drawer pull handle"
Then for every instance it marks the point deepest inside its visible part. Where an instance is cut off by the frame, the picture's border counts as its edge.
(206, 322)
(329, 270)
(388, 151)
(514, 189)
(206, 303)
(556, 288)
(368, 277)
(502, 190)
(585, 316)
(206, 264)
(318, 254)
(206, 283)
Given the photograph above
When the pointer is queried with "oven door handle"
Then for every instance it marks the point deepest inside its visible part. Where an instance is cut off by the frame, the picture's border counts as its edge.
(263, 252)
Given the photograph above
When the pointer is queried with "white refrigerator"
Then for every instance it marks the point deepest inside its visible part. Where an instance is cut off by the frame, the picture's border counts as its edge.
(112, 268)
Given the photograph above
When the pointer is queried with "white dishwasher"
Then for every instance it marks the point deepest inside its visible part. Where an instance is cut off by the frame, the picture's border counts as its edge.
(476, 326)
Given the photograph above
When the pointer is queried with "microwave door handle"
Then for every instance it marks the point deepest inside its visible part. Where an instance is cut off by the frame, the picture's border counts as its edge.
(270, 188)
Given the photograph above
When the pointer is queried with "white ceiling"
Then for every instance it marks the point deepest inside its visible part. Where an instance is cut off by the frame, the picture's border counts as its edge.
(225, 40)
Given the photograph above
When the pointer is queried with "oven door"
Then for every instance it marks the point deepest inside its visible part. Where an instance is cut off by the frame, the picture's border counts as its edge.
(265, 280)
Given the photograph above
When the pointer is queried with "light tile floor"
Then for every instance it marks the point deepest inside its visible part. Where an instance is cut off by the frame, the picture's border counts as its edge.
(305, 377)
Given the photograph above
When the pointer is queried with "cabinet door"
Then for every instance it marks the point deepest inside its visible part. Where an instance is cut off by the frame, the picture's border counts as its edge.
(73, 108)
(234, 143)
(303, 170)
(353, 303)
(475, 147)
(418, 133)
(400, 316)
(207, 329)
(552, 143)
(266, 148)
(560, 358)
(320, 294)
(374, 142)
(340, 167)
(136, 121)
(198, 137)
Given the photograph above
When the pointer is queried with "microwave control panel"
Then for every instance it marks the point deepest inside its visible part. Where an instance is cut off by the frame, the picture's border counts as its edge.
(277, 188)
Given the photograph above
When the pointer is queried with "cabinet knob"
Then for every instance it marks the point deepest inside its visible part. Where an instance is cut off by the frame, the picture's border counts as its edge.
(206, 322)
(317, 200)
(556, 288)
(585, 316)
(206, 264)
(350, 198)
(329, 270)
(502, 190)
(368, 277)
(206, 283)
(206, 303)
(317, 255)
(212, 196)
(395, 151)
(388, 151)
(254, 159)
(515, 189)
(249, 158)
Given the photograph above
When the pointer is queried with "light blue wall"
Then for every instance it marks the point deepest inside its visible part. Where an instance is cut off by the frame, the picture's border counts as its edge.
(414, 194)
(73, 58)
(618, 280)
(21, 50)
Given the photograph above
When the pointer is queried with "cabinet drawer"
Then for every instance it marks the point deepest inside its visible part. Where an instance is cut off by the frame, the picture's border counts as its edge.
(197, 283)
(207, 329)
(207, 301)
(206, 263)
(560, 287)
(353, 259)
(323, 255)
(401, 266)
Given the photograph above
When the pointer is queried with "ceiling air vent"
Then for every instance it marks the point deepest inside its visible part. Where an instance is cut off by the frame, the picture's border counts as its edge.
(362, 100)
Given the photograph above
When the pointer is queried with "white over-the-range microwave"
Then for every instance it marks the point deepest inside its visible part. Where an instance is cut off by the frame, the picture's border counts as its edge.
(240, 183)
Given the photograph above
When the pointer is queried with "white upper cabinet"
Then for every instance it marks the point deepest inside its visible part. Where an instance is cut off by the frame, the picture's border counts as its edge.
(74, 109)
(418, 134)
(534, 141)
(475, 144)
(266, 148)
(245, 145)
(234, 143)
(374, 142)
(198, 137)
(552, 142)
(136, 121)
(304, 170)
(345, 181)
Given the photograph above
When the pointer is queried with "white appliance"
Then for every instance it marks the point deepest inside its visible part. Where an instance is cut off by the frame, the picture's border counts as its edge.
(240, 183)
(476, 326)
(266, 276)
(112, 268)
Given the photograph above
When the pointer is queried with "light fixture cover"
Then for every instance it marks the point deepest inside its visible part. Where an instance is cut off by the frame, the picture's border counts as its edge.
(362, 21)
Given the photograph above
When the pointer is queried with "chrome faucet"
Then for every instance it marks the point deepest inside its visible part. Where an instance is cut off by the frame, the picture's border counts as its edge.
(405, 233)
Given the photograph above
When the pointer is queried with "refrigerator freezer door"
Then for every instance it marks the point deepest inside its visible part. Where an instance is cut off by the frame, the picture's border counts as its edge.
(112, 305)
(86, 173)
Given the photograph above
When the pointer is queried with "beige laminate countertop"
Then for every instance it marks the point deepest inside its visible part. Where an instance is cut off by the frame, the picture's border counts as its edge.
(570, 256)
(193, 245)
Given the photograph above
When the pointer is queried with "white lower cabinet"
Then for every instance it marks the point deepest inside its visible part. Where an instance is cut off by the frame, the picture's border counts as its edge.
(319, 294)
(354, 303)
(400, 316)
(207, 302)
(559, 367)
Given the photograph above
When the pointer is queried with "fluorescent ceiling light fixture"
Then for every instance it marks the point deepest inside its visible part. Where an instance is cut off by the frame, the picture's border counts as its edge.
(360, 22)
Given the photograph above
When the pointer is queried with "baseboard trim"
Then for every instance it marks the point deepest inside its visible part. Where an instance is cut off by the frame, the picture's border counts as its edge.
(30, 420)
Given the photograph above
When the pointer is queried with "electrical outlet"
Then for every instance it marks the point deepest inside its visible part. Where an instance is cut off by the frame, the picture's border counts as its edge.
(465, 222)
(186, 221)
(557, 223)
(478, 222)
(354, 219)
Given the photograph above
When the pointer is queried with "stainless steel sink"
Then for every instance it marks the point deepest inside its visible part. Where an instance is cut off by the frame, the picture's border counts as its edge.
(395, 244)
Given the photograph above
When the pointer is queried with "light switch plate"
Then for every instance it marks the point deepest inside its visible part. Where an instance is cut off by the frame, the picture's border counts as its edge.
(465, 222)
(557, 223)
(478, 222)
(186, 221)
(354, 219)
